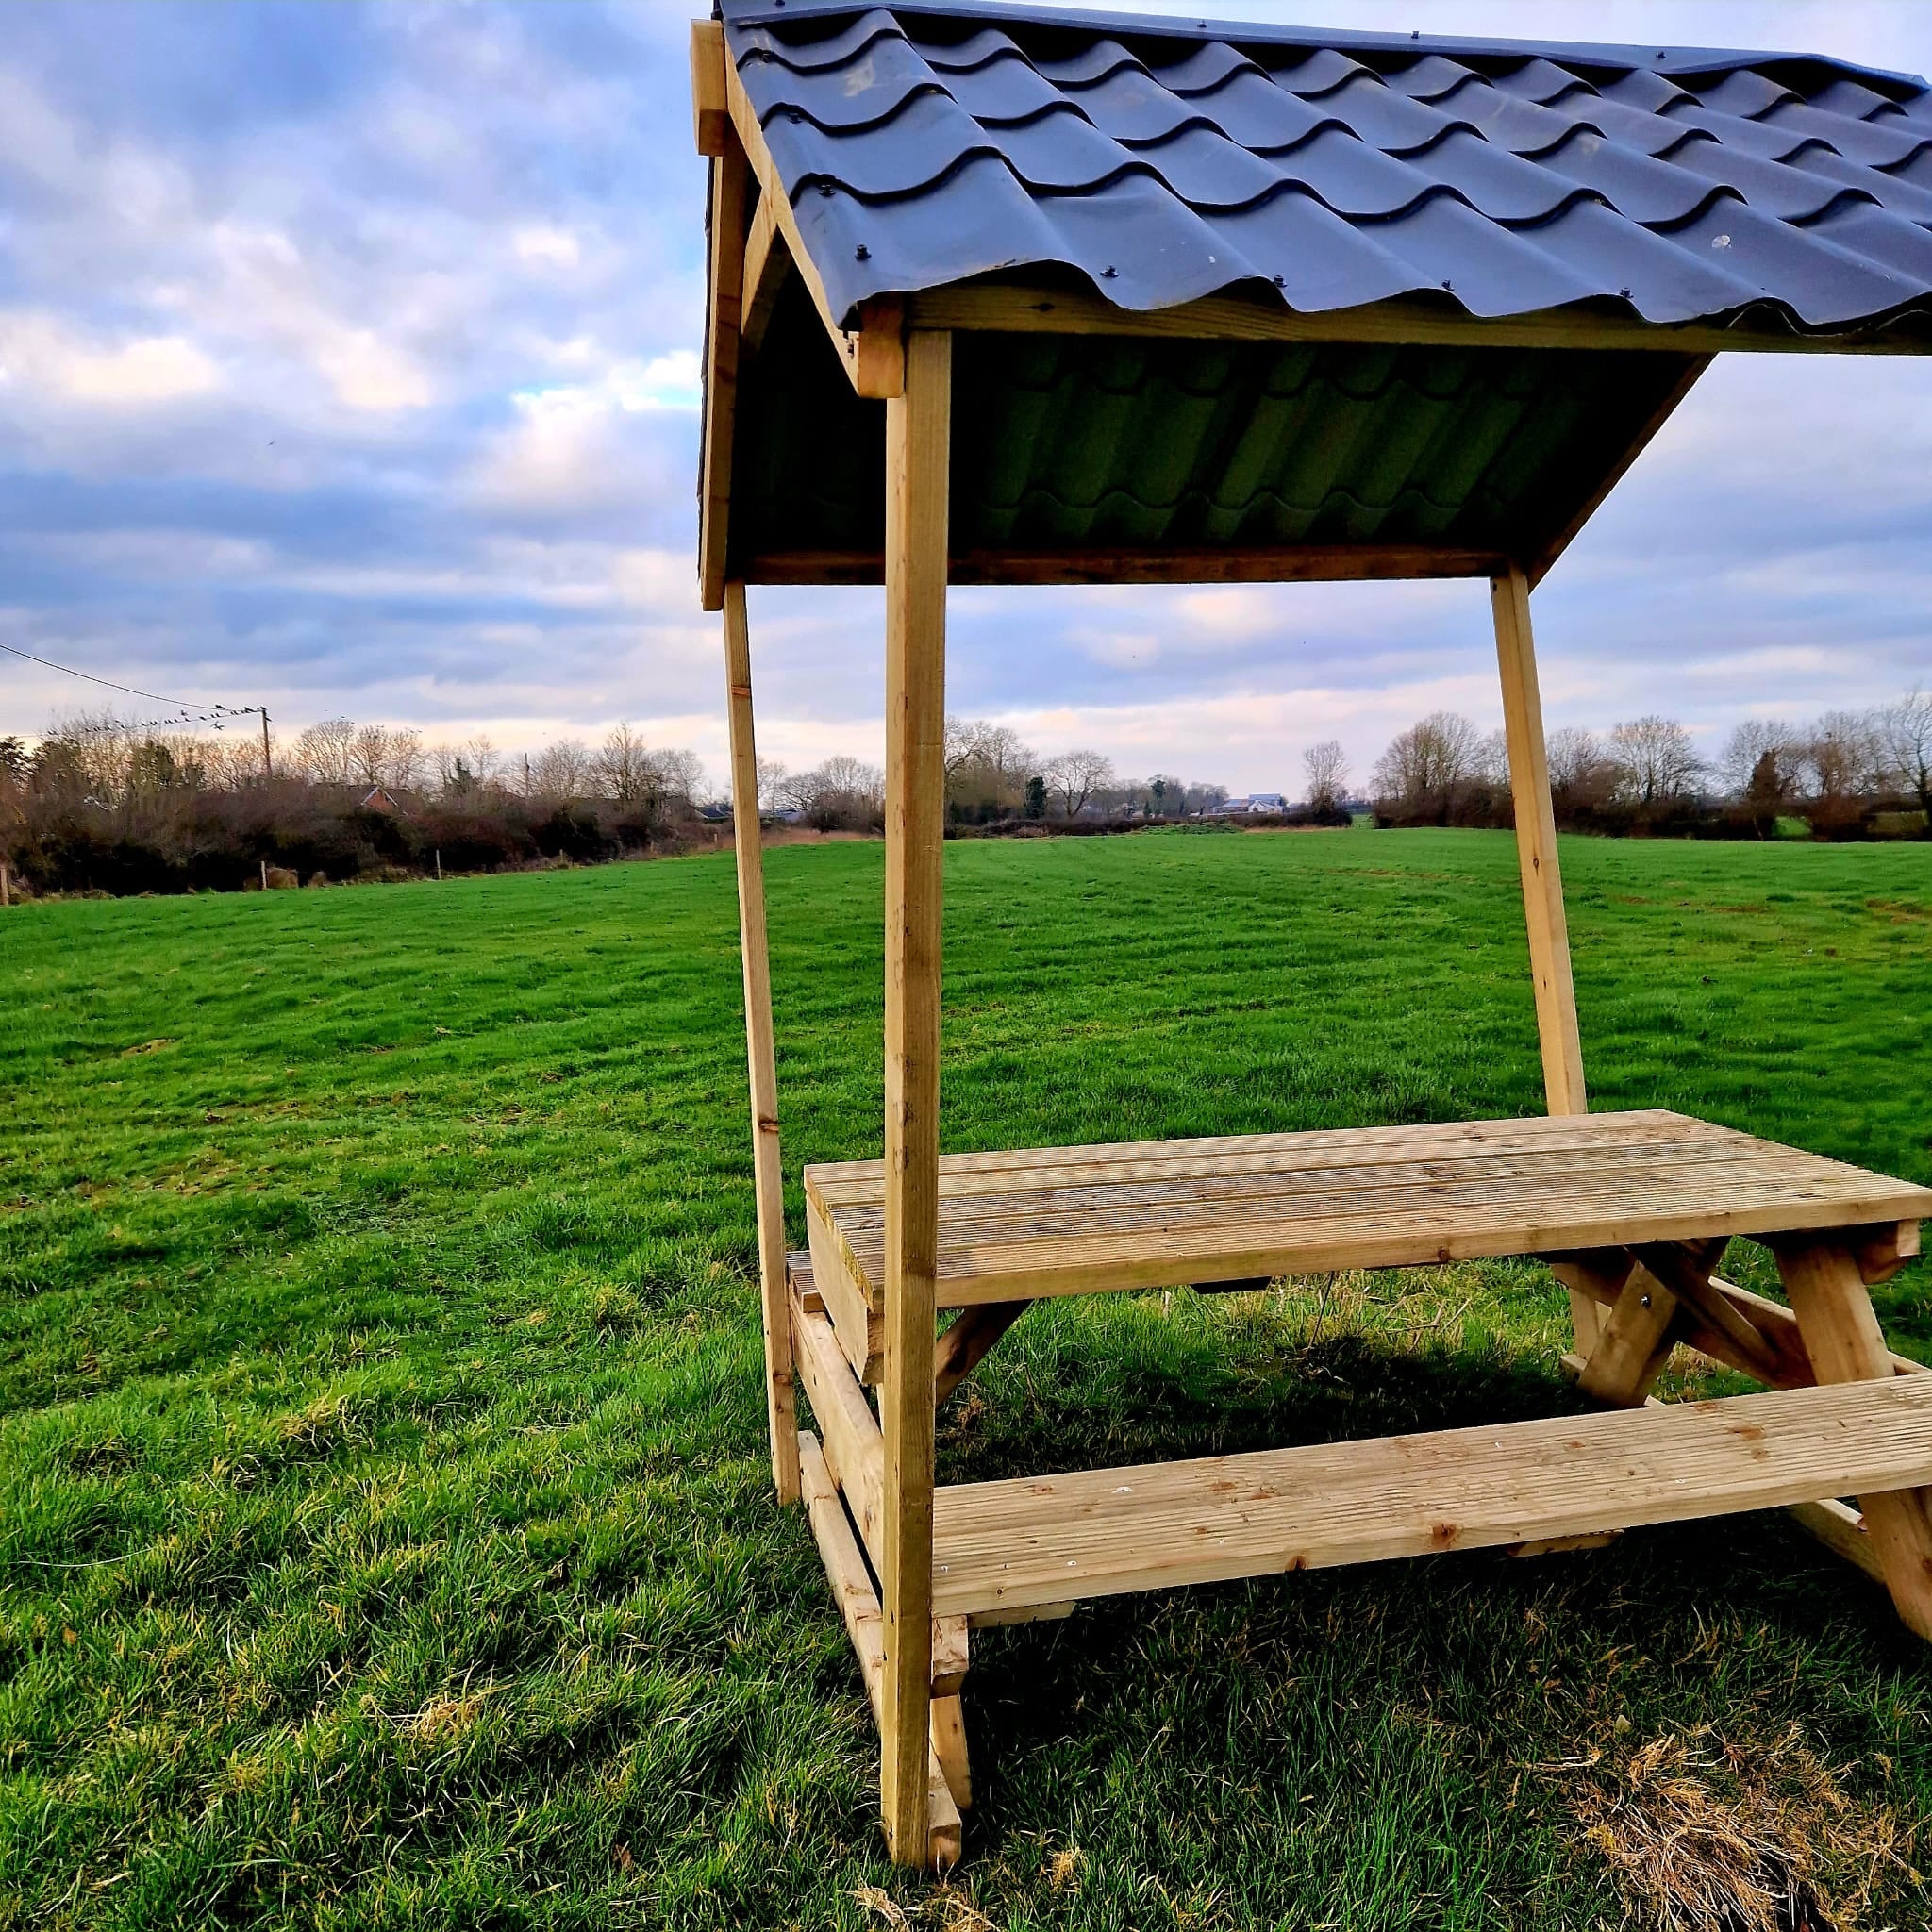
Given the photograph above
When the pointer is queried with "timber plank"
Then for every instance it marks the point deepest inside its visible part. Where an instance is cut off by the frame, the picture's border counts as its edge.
(1051, 1540)
(1636, 1124)
(1379, 1166)
(982, 1216)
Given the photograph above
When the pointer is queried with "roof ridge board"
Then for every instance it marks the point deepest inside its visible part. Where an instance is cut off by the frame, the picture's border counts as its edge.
(1608, 55)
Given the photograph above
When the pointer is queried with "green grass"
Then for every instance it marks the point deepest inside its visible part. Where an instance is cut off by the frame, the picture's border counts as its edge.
(385, 1530)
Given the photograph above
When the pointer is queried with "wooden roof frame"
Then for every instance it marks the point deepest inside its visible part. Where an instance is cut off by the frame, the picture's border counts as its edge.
(750, 262)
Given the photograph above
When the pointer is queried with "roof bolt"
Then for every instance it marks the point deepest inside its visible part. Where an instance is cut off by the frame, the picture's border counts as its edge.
(1281, 281)
(864, 254)
(1108, 273)
(1450, 286)
(826, 189)
(1624, 292)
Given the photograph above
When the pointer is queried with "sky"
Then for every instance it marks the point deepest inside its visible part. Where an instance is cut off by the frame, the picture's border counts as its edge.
(349, 365)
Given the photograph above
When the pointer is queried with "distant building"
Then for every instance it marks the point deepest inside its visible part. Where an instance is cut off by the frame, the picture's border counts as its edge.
(379, 798)
(1255, 801)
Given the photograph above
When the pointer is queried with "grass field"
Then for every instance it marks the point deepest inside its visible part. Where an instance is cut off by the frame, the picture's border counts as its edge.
(385, 1531)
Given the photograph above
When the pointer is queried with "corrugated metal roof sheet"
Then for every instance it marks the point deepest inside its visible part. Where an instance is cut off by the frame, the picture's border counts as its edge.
(1164, 160)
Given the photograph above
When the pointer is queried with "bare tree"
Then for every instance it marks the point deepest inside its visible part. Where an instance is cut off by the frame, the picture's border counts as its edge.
(771, 776)
(1844, 755)
(369, 754)
(1327, 766)
(1657, 761)
(1489, 763)
(403, 761)
(626, 766)
(326, 753)
(1077, 776)
(564, 770)
(680, 775)
(1582, 773)
(1428, 760)
(841, 791)
(1762, 762)
(962, 742)
(1907, 730)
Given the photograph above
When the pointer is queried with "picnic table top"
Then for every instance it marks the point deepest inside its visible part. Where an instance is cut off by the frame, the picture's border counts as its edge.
(1023, 1223)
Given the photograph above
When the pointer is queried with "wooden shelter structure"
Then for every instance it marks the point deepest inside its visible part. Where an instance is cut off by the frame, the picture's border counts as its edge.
(999, 295)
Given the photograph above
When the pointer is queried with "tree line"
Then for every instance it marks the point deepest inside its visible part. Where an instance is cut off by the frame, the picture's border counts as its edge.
(1847, 775)
(99, 804)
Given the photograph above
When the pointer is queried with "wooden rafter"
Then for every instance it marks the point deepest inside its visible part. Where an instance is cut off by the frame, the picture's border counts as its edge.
(1274, 564)
(873, 353)
(1008, 307)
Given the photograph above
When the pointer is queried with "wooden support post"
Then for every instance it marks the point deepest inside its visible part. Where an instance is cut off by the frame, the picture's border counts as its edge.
(1633, 1343)
(1543, 878)
(917, 440)
(852, 1589)
(730, 182)
(969, 1339)
(767, 1170)
(1846, 1344)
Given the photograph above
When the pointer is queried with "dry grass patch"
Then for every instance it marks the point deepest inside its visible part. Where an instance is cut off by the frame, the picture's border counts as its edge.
(1704, 1834)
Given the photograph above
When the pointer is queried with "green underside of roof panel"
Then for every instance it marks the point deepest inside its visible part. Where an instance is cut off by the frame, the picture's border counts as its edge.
(1139, 444)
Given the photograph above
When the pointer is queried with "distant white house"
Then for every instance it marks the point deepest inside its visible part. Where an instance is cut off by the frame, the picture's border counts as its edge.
(1261, 802)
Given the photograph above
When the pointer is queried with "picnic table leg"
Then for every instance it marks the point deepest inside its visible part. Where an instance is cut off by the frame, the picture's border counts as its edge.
(1843, 1337)
(918, 438)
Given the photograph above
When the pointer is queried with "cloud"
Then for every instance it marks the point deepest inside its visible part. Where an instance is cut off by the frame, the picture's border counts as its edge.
(44, 352)
(352, 364)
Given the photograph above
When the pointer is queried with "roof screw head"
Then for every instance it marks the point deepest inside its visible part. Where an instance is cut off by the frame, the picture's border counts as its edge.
(1108, 273)
(1449, 285)
(1624, 292)
(1281, 281)
(825, 190)
(864, 254)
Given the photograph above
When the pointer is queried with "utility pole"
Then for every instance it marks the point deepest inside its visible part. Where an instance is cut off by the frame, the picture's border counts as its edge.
(266, 771)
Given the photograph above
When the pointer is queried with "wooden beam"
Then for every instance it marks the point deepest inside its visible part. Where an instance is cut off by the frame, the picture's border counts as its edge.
(918, 448)
(1775, 1326)
(940, 1833)
(728, 183)
(967, 1342)
(767, 262)
(1846, 1344)
(1693, 366)
(848, 1433)
(1594, 1281)
(1688, 1279)
(1633, 1345)
(1048, 1539)
(1535, 847)
(760, 1053)
(1268, 564)
(1003, 308)
(709, 110)
(949, 1747)
(873, 353)
(859, 1326)
(1881, 1252)
(1827, 1521)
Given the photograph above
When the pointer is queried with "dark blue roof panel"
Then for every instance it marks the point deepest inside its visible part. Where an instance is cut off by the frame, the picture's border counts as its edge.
(1165, 159)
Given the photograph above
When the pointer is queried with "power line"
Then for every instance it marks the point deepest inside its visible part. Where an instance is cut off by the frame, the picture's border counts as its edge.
(152, 696)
